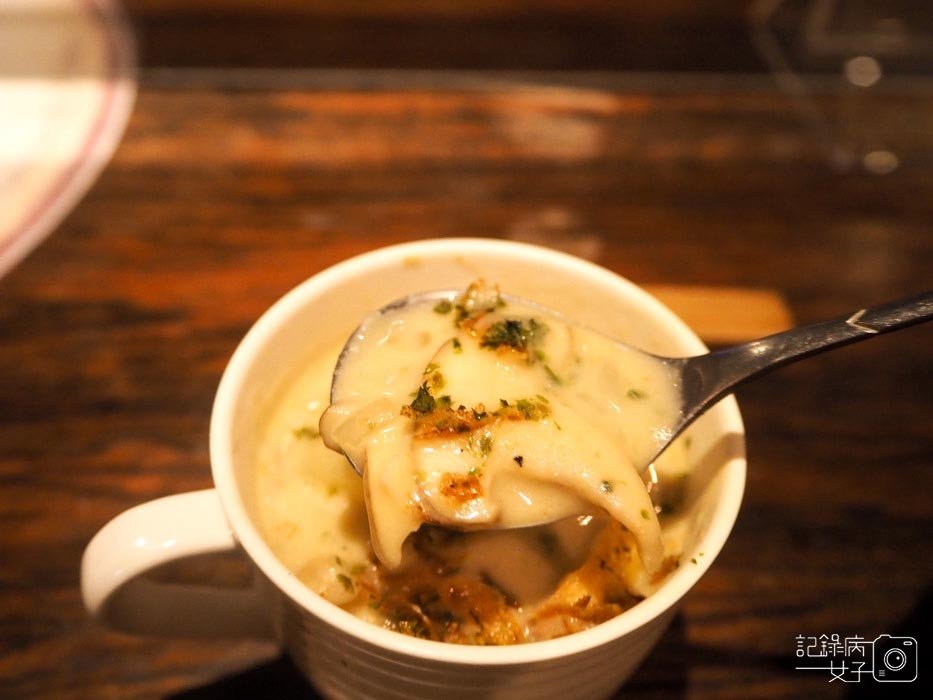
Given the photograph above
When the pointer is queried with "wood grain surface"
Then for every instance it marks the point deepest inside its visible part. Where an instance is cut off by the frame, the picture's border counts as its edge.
(114, 333)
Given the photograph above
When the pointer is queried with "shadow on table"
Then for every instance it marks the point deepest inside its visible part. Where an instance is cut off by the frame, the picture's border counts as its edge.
(917, 625)
(278, 679)
(665, 672)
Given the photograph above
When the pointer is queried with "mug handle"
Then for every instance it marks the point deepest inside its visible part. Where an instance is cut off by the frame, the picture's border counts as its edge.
(116, 592)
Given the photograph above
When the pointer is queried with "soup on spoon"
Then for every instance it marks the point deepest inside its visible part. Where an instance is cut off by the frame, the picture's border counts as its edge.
(519, 417)
(474, 412)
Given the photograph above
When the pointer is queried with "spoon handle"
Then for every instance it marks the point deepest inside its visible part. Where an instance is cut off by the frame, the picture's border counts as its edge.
(707, 378)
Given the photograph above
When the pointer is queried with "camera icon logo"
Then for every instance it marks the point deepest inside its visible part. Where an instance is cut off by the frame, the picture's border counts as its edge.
(895, 659)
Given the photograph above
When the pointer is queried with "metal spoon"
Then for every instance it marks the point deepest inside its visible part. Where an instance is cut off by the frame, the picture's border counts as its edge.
(704, 379)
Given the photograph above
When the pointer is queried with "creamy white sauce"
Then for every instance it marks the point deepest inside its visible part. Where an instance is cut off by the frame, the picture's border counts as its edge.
(550, 420)
(349, 539)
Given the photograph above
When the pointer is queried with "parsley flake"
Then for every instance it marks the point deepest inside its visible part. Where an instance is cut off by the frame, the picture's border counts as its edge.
(306, 431)
(346, 582)
(485, 444)
(512, 333)
(554, 377)
(424, 402)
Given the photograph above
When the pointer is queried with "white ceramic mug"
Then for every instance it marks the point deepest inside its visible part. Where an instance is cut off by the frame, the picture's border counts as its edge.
(343, 656)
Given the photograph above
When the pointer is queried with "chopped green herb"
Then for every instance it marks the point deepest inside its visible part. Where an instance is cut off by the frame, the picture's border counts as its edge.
(475, 472)
(513, 333)
(435, 379)
(542, 399)
(539, 355)
(443, 307)
(694, 560)
(346, 582)
(645, 514)
(424, 402)
(605, 486)
(636, 394)
(532, 410)
(485, 444)
(332, 490)
(519, 460)
(457, 345)
(306, 431)
(408, 622)
(553, 375)
(443, 401)
(479, 444)
(522, 409)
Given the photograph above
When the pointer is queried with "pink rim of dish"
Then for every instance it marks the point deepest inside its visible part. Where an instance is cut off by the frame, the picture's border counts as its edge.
(118, 91)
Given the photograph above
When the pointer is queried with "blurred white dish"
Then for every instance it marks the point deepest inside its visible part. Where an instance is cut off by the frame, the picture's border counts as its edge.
(67, 85)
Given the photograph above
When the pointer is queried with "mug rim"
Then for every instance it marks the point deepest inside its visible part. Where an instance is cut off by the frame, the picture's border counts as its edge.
(246, 532)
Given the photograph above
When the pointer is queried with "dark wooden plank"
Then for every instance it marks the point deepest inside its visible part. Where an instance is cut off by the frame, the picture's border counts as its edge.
(551, 34)
(669, 35)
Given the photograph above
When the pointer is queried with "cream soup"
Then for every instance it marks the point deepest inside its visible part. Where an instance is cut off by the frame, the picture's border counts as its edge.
(477, 413)
(469, 417)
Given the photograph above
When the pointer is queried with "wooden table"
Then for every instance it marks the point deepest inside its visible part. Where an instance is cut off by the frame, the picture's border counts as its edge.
(229, 189)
